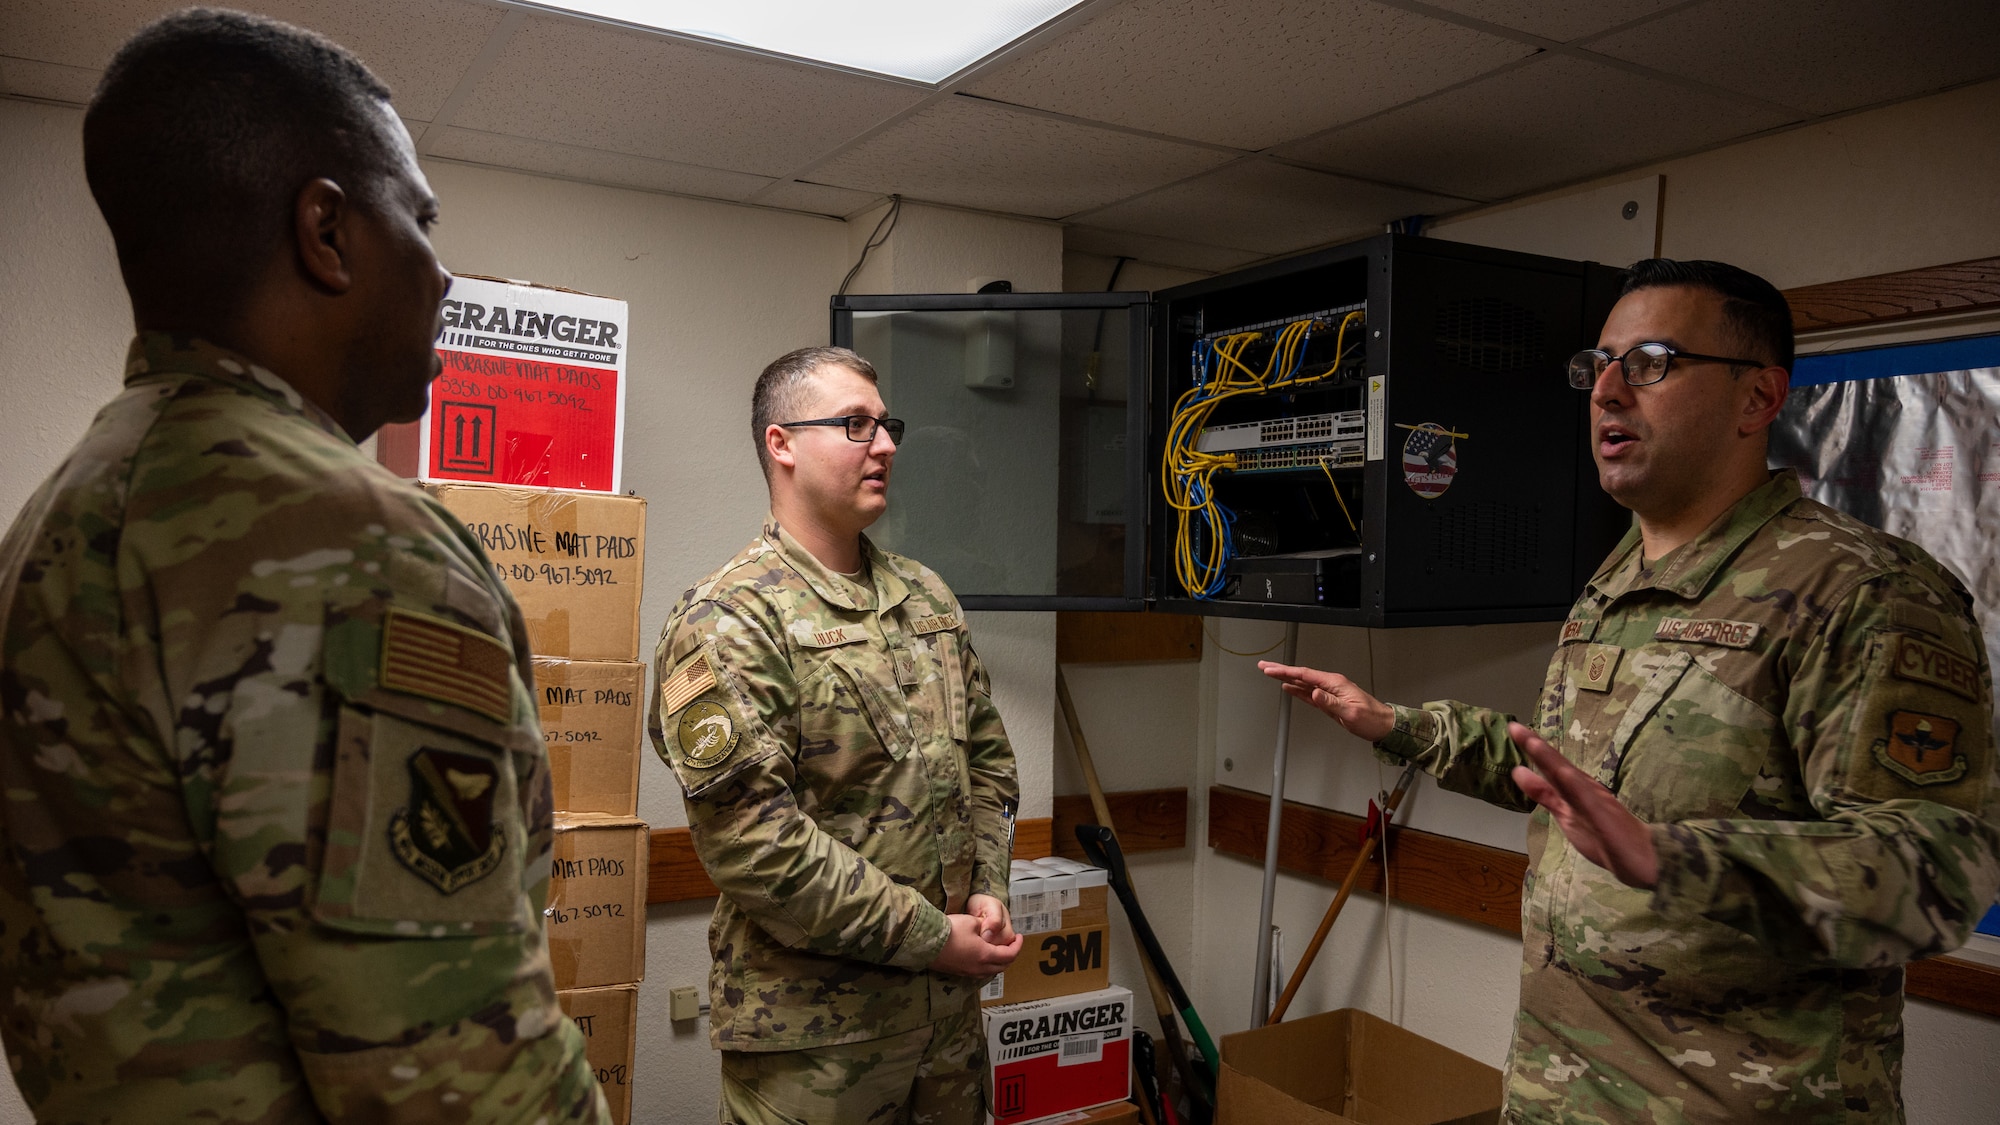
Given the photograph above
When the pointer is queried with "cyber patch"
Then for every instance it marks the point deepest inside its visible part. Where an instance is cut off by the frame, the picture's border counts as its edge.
(1921, 749)
(706, 734)
(1925, 663)
(445, 834)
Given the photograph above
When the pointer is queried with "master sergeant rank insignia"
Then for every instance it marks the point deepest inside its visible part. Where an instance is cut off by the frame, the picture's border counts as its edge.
(446, 835)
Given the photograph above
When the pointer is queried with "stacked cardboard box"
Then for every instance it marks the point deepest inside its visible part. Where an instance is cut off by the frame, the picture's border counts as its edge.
(1056, 1056)
(574, 561)
(1060, 907)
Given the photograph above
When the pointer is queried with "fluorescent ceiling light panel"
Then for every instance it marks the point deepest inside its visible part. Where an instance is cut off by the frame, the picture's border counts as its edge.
(923, 40)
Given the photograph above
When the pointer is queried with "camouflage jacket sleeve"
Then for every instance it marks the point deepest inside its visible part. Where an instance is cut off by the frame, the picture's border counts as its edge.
(1890, 714)
(1466, 748)
(996, 791)
(797, 882)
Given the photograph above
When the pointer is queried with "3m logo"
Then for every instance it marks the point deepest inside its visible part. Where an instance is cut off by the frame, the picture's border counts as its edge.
(465, 437)
(1072, 953)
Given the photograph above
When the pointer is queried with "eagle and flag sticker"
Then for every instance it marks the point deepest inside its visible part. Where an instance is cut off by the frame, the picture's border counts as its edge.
(704, 731)
(446, 833)
(1430, 458)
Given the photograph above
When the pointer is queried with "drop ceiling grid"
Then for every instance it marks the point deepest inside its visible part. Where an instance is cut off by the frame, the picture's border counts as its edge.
(593, 165)
(1244, 73)
(1563, 21)
(598, 86)
(410, 44)
(977, 154)
(1824, 56)
(1288, 208)
(1555, 120)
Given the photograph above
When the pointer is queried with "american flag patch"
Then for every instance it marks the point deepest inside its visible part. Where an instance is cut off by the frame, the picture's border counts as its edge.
(431, 657)
(688, 681)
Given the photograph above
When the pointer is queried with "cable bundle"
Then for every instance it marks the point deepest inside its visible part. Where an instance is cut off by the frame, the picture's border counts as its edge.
(1202, 542)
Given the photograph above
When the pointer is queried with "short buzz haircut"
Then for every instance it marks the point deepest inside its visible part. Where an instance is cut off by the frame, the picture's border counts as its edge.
(781, 389)
(204, 128)
(1755, 312)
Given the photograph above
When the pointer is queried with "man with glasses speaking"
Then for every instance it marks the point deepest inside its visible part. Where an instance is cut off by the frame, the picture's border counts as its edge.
(849, 786)
(1765, 741)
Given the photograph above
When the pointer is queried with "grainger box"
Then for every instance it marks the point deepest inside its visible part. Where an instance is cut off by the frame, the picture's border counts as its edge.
(574, 560)
(1058, 1055)
(594, 725)
(1350, 1068)
(597, 901)
(609, 1020)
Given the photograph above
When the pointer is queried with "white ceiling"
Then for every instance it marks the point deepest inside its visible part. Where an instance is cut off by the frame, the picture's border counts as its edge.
(1200, 133)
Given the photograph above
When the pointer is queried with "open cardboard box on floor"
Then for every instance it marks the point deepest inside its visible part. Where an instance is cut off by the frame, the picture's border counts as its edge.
(1350, 1068)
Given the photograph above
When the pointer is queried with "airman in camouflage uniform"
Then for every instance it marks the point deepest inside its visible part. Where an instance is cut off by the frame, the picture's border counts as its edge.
(1794, 712)
(850, 789)
(277, 814)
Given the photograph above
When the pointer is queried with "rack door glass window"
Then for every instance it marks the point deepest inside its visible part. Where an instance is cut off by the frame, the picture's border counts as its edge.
(1018, 476)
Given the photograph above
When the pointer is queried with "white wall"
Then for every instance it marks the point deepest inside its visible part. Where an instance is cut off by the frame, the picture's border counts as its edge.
(1911, 185)
(716, 291)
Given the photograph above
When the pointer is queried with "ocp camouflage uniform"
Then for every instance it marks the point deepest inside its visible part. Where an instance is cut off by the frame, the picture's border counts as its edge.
(1801, 706)
(276, 809)
(848, 784)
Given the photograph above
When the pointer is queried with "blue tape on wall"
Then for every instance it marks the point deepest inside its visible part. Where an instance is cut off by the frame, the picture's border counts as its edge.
(1900, 359)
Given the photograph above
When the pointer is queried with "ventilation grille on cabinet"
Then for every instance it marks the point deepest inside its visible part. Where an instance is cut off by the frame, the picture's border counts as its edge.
(1490, 335)
(1484, 539)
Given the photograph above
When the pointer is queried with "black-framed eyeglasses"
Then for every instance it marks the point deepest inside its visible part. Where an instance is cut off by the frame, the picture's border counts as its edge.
(1643, 364)
(860, 427)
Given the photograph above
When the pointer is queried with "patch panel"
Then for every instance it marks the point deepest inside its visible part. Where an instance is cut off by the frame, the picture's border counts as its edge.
(1345, 425)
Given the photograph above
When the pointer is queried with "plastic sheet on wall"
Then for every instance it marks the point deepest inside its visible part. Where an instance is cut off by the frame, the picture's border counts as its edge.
(1918, 456)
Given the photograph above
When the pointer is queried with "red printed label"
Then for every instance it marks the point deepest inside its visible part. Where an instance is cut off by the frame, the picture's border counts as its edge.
(520, 421)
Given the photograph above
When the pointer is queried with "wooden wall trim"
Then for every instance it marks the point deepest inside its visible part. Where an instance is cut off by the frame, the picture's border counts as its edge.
(1124, 638)
(1465, 880)
(1148, 820)
(1478, 883)
(1958, 287)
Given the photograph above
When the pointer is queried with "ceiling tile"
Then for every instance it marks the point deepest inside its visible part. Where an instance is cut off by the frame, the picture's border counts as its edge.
(1824, 56)
(419, 47)
(1244, 73)
(590, 165)
(800, 195)
(1554, 120)
(53, 81)
(974, 153)
(1266, 206)
(576, 82)
(1560, 20)
(1151, 248)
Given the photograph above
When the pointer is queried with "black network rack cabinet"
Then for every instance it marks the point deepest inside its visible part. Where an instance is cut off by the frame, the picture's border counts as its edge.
(1428, 467)
(1473, 498)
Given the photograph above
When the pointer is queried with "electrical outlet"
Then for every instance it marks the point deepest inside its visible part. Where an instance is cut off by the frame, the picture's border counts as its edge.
(683, 1004)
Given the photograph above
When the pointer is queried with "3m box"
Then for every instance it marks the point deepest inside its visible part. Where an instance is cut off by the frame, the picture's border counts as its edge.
(593, 725)
(574, 560)
(1055, 1056)
(1064, 950)
(1350, 1068)
(597, 901)
(609, 1020)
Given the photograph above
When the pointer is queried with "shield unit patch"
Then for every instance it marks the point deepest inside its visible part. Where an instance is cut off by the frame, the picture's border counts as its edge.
(706, 734)
(445, 834)
(1921, 749)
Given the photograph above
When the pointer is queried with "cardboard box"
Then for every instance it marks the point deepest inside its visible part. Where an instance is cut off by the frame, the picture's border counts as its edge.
(1117, 1113)
(1065, 951)
(1055, 1056)
(1350, 1068)
(574, 560)
(597, 901)
(594, 725)
(609, 1020)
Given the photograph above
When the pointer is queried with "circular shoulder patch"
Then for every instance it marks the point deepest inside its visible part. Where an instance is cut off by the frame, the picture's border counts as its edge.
(706, 734)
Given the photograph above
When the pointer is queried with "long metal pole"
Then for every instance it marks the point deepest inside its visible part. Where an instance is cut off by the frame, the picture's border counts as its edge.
(1260, 988)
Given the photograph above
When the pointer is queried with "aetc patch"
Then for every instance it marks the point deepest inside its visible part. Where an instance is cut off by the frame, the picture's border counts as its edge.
(1430, 459)
(706, 734)
(1921, 749)
(446, 833)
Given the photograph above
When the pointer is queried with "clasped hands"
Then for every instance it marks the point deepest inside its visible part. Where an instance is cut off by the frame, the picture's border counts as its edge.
(982, 940)
(1596, 823)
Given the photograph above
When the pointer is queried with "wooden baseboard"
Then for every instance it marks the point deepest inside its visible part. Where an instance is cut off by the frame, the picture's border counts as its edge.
(1958, 287)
